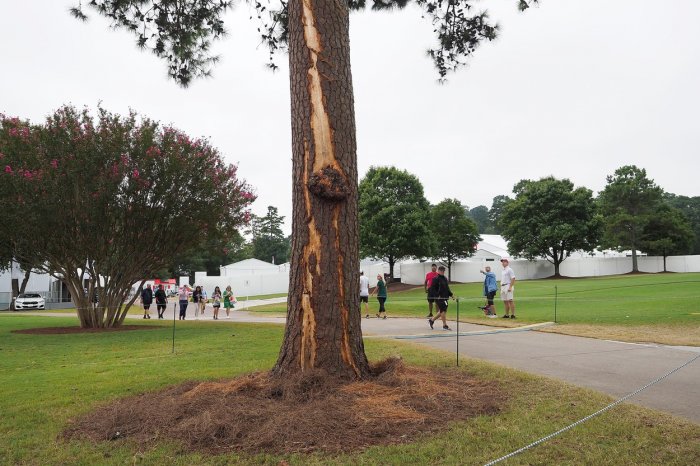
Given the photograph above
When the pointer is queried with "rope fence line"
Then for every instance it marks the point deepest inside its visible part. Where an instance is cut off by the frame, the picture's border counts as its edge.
(590, 416)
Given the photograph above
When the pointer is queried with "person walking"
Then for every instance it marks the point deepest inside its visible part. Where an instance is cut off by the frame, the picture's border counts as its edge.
(196, 298)
(508, 289)
(364, 293)
(183, 296)
(161, 301)
(442, 294)
(229, 301)
(380, 291)
(429, 277)
(146, 300)
(490, 288)
(216, 302)
(203, 300)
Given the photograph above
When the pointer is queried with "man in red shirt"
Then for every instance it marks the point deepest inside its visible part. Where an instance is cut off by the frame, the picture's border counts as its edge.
(428, 282)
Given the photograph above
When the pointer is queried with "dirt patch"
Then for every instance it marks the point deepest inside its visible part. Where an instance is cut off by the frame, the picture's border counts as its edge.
(305, 413)
(69, 330)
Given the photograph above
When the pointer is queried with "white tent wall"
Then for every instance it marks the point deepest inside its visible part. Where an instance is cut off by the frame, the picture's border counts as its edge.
(250, 285)
(468, 271)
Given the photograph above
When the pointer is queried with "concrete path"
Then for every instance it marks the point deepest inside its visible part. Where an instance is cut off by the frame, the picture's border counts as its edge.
(612, 367)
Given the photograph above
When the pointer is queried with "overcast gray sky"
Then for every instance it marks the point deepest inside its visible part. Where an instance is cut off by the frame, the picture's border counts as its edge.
(572, 88)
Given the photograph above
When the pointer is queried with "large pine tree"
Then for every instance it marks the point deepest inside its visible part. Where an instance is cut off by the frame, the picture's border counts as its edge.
(323, 325)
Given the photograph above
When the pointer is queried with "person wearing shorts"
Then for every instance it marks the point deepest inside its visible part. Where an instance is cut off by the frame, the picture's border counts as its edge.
(490, 288)
(364, 293)
(429, 277)
(216, 302)
(442, 294)
(508, 289)
(161, 301)
(146, 300)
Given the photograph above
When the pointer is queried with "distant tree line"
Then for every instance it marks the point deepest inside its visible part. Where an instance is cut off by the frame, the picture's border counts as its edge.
(547, 218)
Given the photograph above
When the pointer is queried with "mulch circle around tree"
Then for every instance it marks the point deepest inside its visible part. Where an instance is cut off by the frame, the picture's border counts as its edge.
(70, 330)
(309, 412)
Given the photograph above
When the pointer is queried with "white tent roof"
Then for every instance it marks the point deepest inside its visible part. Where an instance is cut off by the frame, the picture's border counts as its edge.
(251, 264)
(494, 244)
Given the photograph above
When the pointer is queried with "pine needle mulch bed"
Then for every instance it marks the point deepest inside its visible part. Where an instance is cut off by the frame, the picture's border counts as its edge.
(72, 330)
(306, 413)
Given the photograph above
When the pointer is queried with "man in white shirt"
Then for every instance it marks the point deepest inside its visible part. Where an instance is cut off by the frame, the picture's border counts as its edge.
(364, 292)
(507, 289)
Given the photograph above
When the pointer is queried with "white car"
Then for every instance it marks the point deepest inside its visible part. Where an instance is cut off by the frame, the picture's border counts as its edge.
(29, 301)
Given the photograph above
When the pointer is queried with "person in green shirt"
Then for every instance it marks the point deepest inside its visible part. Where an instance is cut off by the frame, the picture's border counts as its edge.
(229, 301)
(380, 291)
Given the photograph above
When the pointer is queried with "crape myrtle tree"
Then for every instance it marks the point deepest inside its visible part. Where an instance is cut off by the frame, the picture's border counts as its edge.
(549, 218)
(627, 203)
(667, 233)
(454, 232)
(103, 202)
(394, 216)
(323, 327)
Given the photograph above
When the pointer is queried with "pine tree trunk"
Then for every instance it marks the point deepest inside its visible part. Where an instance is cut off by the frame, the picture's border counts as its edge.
(323, 319)
(635, 266)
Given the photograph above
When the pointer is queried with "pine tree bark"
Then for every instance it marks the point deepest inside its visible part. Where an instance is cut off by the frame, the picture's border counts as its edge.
(323, 319)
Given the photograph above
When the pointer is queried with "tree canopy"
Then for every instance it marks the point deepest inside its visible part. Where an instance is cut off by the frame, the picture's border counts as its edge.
(269, 243)
(394, 216)
(108, 201)
(455, 234)
(690, 207)
(666, 233)
(628, 202)
(182, 33)
(549, 218)
(480, 216)
(496, 211)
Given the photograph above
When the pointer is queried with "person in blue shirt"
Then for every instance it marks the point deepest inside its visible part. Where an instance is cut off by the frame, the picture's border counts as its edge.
(490, 288)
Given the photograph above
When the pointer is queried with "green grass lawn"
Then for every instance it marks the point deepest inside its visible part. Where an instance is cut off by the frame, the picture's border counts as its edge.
(48, 379)
(620, 300)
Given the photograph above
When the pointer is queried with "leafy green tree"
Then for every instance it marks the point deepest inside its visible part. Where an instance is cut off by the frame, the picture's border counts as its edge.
(666, 233)
(269, 243)
(394, 216)
(103, 203)
(455, 234)
(324, 160)
(627, 203)
(496, 211)
(480, 215)
(690, 207)
(549, 218)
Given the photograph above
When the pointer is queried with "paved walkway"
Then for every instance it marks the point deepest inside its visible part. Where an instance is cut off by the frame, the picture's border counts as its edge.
(612, 367)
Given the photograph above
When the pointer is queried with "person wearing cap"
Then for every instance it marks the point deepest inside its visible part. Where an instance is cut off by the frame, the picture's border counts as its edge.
(507, 289)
